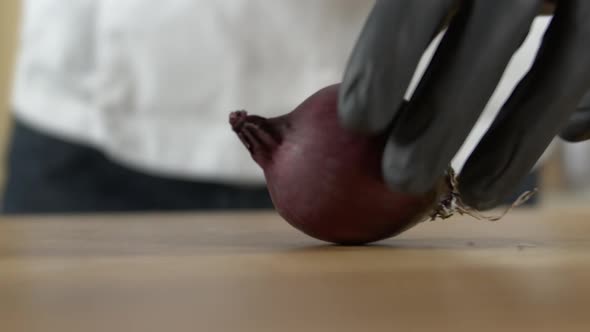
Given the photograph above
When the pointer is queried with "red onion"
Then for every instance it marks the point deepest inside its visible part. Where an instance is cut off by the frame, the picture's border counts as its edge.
(326, 181)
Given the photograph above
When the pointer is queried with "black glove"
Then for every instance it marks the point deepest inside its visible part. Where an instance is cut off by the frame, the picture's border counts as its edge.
(427, 132)
(578, 127)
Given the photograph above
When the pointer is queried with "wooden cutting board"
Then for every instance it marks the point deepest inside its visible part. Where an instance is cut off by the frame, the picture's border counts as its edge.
(253, 272)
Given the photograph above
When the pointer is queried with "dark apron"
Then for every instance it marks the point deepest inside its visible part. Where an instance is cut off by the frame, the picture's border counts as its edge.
(49, 175)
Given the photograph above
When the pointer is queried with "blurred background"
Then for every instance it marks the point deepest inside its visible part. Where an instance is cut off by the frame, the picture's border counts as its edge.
(564, 175)
(9, 10)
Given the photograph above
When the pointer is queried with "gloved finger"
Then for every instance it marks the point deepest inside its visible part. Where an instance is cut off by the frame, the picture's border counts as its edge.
(541, 105)
(381, 66)
(578, 126)
(461, 78)
(548, 7)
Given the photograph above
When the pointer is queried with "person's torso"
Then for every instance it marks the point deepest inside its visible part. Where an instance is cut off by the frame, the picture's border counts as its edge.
(152, 82)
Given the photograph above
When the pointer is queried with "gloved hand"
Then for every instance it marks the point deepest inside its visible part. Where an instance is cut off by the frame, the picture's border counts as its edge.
(428, 130)
(578, 127)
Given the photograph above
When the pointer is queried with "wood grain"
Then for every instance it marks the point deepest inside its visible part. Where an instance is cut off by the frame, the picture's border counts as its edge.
(253, 272)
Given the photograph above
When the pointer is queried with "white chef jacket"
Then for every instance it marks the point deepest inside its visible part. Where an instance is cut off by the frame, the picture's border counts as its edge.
(151, 83)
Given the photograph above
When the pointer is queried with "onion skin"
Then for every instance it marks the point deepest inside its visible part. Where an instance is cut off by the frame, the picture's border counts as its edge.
(326, 181)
